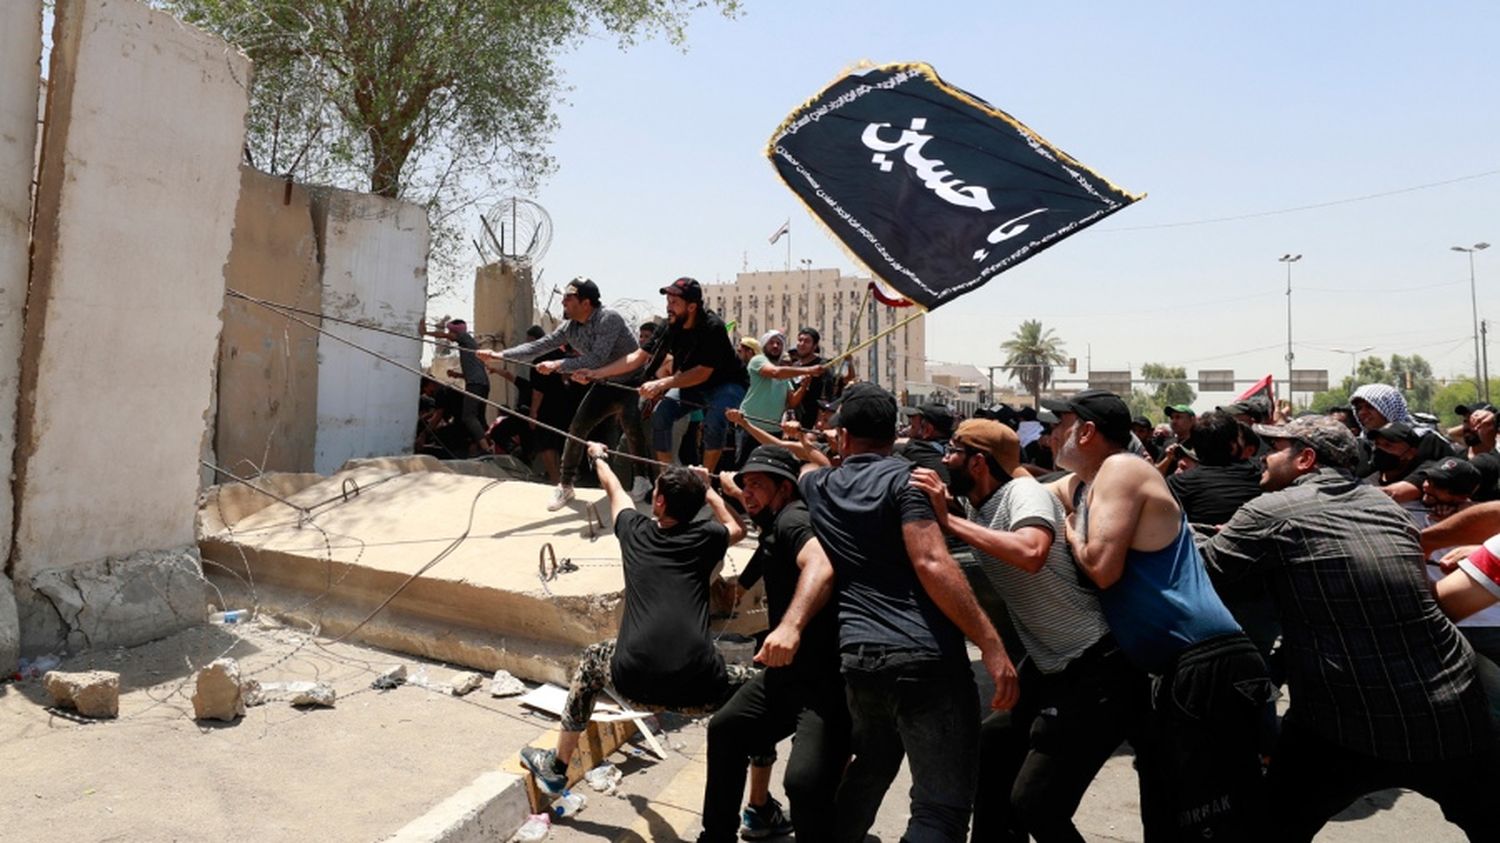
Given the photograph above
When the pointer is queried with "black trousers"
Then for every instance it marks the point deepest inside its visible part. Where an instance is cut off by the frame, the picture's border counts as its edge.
(765, 710)
(472, 414)
(1199, 761)
(1311, 779)
(598, 404)
(1037, 760)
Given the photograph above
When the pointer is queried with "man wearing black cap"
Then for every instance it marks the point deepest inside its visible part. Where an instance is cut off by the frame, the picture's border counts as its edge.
(1200, 776)
(904, 609)
(799, 693)
(476, 378)
(600, 335)
(696, 357)
(931, 425)
(1399, 450)
(1477, 432)
(1383, 689)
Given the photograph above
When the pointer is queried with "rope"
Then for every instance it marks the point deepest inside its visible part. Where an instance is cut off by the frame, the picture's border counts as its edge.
(425, 376)
(284, 309)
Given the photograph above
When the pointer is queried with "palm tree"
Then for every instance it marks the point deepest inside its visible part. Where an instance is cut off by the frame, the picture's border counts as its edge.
(1030, 356)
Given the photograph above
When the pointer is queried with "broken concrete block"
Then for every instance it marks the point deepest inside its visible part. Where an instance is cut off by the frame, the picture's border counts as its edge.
(94, 693)
(464, 683)
(506, 685)
(311, 693)
(253, 693)
(10, 629)
(219, 695)
(390, 679)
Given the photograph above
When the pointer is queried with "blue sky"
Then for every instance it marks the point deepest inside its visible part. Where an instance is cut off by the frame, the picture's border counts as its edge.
(1213, 110)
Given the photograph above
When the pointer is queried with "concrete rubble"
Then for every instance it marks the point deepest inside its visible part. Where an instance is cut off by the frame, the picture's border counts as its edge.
(465, 683)
(392, 678)
(219, 695)
(93, 693)
(506, 685)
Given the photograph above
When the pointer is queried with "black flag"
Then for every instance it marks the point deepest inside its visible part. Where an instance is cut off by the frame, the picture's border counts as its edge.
(932, 188)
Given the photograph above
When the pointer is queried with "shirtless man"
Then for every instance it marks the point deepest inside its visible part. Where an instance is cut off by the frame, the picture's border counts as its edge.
(1200, 769)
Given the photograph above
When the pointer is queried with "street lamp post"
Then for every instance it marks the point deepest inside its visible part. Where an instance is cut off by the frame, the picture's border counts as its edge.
(1481, 389)
(1289, 259)
(1353, 355)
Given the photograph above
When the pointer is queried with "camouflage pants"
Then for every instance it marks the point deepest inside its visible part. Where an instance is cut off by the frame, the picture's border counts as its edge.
(592, 677)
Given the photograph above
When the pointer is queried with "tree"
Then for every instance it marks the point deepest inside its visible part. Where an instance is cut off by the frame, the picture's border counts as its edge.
(1031, 355)
(1142, 403)
(1170, 385)
(444, 103)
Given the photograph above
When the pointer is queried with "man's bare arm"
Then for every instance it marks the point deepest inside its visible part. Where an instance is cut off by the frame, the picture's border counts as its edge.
(721, 511)
(1470, 526)
(1115, 502)
(945, 584)
(619, 499)
(629, 363)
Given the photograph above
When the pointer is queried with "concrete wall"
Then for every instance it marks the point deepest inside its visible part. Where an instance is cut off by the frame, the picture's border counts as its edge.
(268, 365)
(138, 186)
(374, 271)
(20, 81)
(503, 310)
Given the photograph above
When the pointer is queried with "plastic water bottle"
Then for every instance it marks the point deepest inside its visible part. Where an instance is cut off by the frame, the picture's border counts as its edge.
(231, 616)
(568, 804)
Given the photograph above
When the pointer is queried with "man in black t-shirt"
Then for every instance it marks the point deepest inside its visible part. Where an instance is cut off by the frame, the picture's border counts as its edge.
(904, 609)
(663, 657)
(799, 693)
(931, 426)
(812, 391)
(476, 377)
(1210, 493)
(695, 357)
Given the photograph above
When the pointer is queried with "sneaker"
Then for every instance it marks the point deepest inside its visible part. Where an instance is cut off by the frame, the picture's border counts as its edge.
(560, 497)
(766, 821)
(540, 763)
(641, 490)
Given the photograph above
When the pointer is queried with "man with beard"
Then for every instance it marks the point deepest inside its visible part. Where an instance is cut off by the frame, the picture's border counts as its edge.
(904, 610)
(812, 390)
(770, 384)
(1080, 696)
(1200, 767)
(1383, 688)
(799, 693)
(695, 357)
(1478, 435)
(599, 335)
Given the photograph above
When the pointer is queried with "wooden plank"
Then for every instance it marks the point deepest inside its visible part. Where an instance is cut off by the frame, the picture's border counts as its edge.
(596, 744)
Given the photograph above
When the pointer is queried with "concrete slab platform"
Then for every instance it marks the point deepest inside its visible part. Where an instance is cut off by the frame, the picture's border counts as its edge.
(481, 603)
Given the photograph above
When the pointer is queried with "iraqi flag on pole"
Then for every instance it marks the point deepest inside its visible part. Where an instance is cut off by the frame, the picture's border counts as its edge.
(1263, 388)
(932, 188)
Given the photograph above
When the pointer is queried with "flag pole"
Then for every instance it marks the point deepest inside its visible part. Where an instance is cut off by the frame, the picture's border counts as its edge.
(872, 340)
(789, 246)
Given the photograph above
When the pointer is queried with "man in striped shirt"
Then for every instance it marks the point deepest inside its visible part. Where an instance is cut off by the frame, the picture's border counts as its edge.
(1383, 688)
(1080, 696)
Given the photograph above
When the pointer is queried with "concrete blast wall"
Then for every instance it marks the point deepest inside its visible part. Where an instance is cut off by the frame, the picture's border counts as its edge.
(20, 83)
(374, 271)
(268, 364)
(139, 181)
(20, 86)
(503, 310)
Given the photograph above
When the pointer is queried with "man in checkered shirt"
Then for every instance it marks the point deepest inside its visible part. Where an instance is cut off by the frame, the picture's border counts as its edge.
(1383, 687)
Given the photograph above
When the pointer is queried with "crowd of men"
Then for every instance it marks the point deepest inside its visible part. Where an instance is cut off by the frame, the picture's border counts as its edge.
(1121, 582)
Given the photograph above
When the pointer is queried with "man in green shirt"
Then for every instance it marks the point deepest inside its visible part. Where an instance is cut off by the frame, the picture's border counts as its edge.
(765, 400)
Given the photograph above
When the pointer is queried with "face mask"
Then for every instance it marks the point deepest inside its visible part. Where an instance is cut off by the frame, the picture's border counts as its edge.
(1471, 438)
(765, 519)
(1385, 460)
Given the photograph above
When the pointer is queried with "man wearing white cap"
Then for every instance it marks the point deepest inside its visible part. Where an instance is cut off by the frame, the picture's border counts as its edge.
(765, 400)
